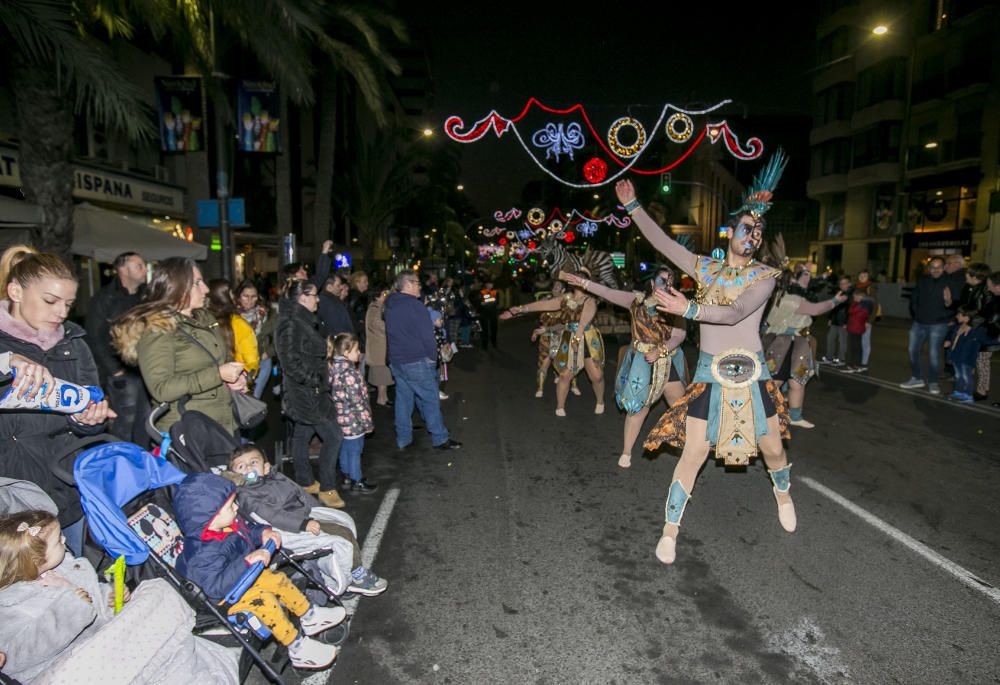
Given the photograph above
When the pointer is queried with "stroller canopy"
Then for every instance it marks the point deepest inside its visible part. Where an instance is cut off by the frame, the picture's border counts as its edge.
(110, 476)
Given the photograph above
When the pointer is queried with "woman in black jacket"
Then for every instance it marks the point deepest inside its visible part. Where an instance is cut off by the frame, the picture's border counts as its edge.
(306, 398)
(39, 293)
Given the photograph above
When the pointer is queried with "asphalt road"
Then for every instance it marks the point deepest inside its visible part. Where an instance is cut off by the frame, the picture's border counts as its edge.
(527, 557)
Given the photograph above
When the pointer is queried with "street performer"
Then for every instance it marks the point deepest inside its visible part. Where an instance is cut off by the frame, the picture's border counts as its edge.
(653, 364)
(732, 405)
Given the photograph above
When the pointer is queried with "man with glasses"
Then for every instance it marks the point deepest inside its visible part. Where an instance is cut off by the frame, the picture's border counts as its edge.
(929, 307)
(412, 356)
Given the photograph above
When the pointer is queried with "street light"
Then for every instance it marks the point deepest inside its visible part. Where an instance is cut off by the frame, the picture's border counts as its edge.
(880, 30)
(428, 132)
(459, 187)
(930, 145)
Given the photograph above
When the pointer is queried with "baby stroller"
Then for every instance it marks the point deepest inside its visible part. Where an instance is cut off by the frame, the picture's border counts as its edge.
(115, 482)
(196, 443)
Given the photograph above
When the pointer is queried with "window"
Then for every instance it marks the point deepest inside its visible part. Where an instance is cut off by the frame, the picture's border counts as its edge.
(834, 45)
(831, 157)
(834, 104)
(876, 145)
(881, 82)
(969, 139)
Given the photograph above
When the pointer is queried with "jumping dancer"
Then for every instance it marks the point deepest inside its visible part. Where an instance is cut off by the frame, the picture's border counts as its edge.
(653, 365)
(732, 404)
(578, 347)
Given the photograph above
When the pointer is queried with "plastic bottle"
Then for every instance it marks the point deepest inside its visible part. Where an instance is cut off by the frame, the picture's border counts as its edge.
(69, 398)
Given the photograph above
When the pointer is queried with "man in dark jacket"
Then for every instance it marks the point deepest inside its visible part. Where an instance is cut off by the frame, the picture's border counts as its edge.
(412, 356)
(929, 307)
(836, 337)
(334, 316)
(126, 392)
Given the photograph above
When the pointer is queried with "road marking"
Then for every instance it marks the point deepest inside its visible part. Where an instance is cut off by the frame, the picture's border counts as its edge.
(923, 394)
(369, 550)
(963, 575)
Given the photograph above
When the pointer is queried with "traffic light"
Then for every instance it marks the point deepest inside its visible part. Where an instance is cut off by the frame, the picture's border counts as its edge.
(665, 182)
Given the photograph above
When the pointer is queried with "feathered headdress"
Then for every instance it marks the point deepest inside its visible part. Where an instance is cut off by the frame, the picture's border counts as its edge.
(758, 199)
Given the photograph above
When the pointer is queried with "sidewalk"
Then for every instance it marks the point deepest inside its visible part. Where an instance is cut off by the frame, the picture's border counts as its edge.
(890, 364)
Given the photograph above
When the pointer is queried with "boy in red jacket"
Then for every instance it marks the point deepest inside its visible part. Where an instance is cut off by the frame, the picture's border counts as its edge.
(859, 312)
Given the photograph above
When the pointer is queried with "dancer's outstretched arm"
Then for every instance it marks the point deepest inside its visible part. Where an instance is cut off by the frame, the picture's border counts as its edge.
(817, 308)
(749, 301)
(622, 298)
(683, 258)
(551, 304)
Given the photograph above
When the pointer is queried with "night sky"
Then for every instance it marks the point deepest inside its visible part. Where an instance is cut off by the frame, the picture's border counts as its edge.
(614, 62)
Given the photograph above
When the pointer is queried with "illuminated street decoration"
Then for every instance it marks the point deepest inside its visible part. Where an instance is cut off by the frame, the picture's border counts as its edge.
(680, 126)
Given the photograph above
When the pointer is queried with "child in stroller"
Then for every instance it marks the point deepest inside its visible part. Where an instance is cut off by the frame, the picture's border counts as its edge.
(218, 548)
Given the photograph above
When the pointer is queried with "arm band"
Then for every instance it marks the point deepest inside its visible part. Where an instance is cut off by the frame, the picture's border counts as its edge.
(692, 310)
(632, 205)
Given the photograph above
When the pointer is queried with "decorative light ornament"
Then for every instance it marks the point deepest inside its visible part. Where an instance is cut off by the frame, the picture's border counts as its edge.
(511, 235)
(595, 170)
(532, 245)
(502, 217)
(556, 225)
(557, 141)
(627, 151)
(525, 234)
(455, 128)
(587, 228)
(569, 237)
(541, 234)
(502, 241)
(536, 216)
(680, 133)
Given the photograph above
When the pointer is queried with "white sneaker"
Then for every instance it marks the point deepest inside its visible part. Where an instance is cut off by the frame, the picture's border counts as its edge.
(539, 393)
(575, 390)
(319, 619)
(802, 423)
(441, 395)
(313, 654)
(913, 383)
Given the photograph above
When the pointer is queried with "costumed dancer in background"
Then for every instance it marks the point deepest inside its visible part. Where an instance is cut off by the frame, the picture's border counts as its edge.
(550, 326)
(653, 365)
(579, 346)
(732, 404)
(789, 347)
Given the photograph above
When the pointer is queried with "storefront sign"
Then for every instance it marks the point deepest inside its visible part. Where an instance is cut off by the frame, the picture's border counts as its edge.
(99, 185)
(939, 240)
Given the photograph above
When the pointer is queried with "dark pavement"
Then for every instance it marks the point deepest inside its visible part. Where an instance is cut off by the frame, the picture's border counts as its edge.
(528, 555)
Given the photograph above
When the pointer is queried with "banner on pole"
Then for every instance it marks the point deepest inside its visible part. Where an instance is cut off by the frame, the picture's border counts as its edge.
(180, 106)
(258, 111)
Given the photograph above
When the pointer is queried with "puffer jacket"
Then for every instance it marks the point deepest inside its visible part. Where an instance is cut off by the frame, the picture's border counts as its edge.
(34, 440)
(212, 559)
(275, 498)
(302, 351)
(174, 367)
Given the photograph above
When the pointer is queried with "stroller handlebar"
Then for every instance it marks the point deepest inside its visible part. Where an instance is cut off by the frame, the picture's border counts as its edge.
(249, 577)
(154, 416)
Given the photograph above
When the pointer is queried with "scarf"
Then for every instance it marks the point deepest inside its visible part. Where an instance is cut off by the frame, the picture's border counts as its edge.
(22, 331)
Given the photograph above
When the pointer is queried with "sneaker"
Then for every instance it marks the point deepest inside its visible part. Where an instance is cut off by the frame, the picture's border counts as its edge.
(575, 390)
(825, 360)
(331, 498)
(318, 619)
(849, 369)
(276, 390)
(964, 397)
(955, 395)
(802, 423)
(934, 389)
(912, 384)
(312, 654)
(862, 369)
(442, 395)
(363, 487)
(368, 585)
(837, 363)
(450, 445)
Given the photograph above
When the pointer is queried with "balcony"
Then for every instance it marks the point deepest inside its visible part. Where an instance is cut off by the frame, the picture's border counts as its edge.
(829, 131)
(888, 110)
(873, 174)
(824, 185)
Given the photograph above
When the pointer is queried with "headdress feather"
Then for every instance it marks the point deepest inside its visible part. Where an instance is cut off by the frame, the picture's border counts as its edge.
(759, 195)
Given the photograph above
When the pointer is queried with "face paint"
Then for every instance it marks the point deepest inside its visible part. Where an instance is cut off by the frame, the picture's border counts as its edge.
(750, 235)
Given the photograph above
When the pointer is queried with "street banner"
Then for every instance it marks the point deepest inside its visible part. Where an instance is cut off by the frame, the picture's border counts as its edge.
(180, 106)
(258, 111)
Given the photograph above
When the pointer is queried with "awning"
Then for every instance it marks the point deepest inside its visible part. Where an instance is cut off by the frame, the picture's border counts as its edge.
(103, 235)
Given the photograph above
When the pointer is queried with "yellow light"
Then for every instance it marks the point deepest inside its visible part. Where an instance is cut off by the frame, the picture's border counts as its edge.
(596, 196)
(880, 30)
(428, 132)
(931, 145)
(426, 237)
(434, 230)
(459, 187)
(939, 193)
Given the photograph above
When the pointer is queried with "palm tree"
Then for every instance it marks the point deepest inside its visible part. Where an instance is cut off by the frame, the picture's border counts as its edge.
(355, 50)
(60, 70)
(378, 184)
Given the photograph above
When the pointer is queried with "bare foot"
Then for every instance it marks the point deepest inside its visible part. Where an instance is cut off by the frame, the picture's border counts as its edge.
(625, 460)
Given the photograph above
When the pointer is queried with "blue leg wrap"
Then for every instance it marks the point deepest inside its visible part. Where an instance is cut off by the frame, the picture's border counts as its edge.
(676, 501)
(781, 478)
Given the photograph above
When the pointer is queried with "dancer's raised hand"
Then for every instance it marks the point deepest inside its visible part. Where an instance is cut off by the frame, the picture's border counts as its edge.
(625, 191)
(671, 301)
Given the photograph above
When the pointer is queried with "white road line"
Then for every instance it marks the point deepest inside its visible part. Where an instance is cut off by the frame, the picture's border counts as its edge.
(923, 394)
(963, 575)
(369, 550)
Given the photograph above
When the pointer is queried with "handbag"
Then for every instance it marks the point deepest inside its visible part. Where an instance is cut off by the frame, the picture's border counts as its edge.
(248, 411)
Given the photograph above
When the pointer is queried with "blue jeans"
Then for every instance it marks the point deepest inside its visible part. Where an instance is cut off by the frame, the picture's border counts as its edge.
(263, 376)
(934, 334)
(866, 345)
(964, 378)
(350, 457)
(417, 383)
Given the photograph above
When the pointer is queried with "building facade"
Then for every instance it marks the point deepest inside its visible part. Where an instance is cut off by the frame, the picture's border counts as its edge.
(906, 134)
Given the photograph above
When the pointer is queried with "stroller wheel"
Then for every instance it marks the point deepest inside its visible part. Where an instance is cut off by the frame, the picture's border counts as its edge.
(338, 634)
